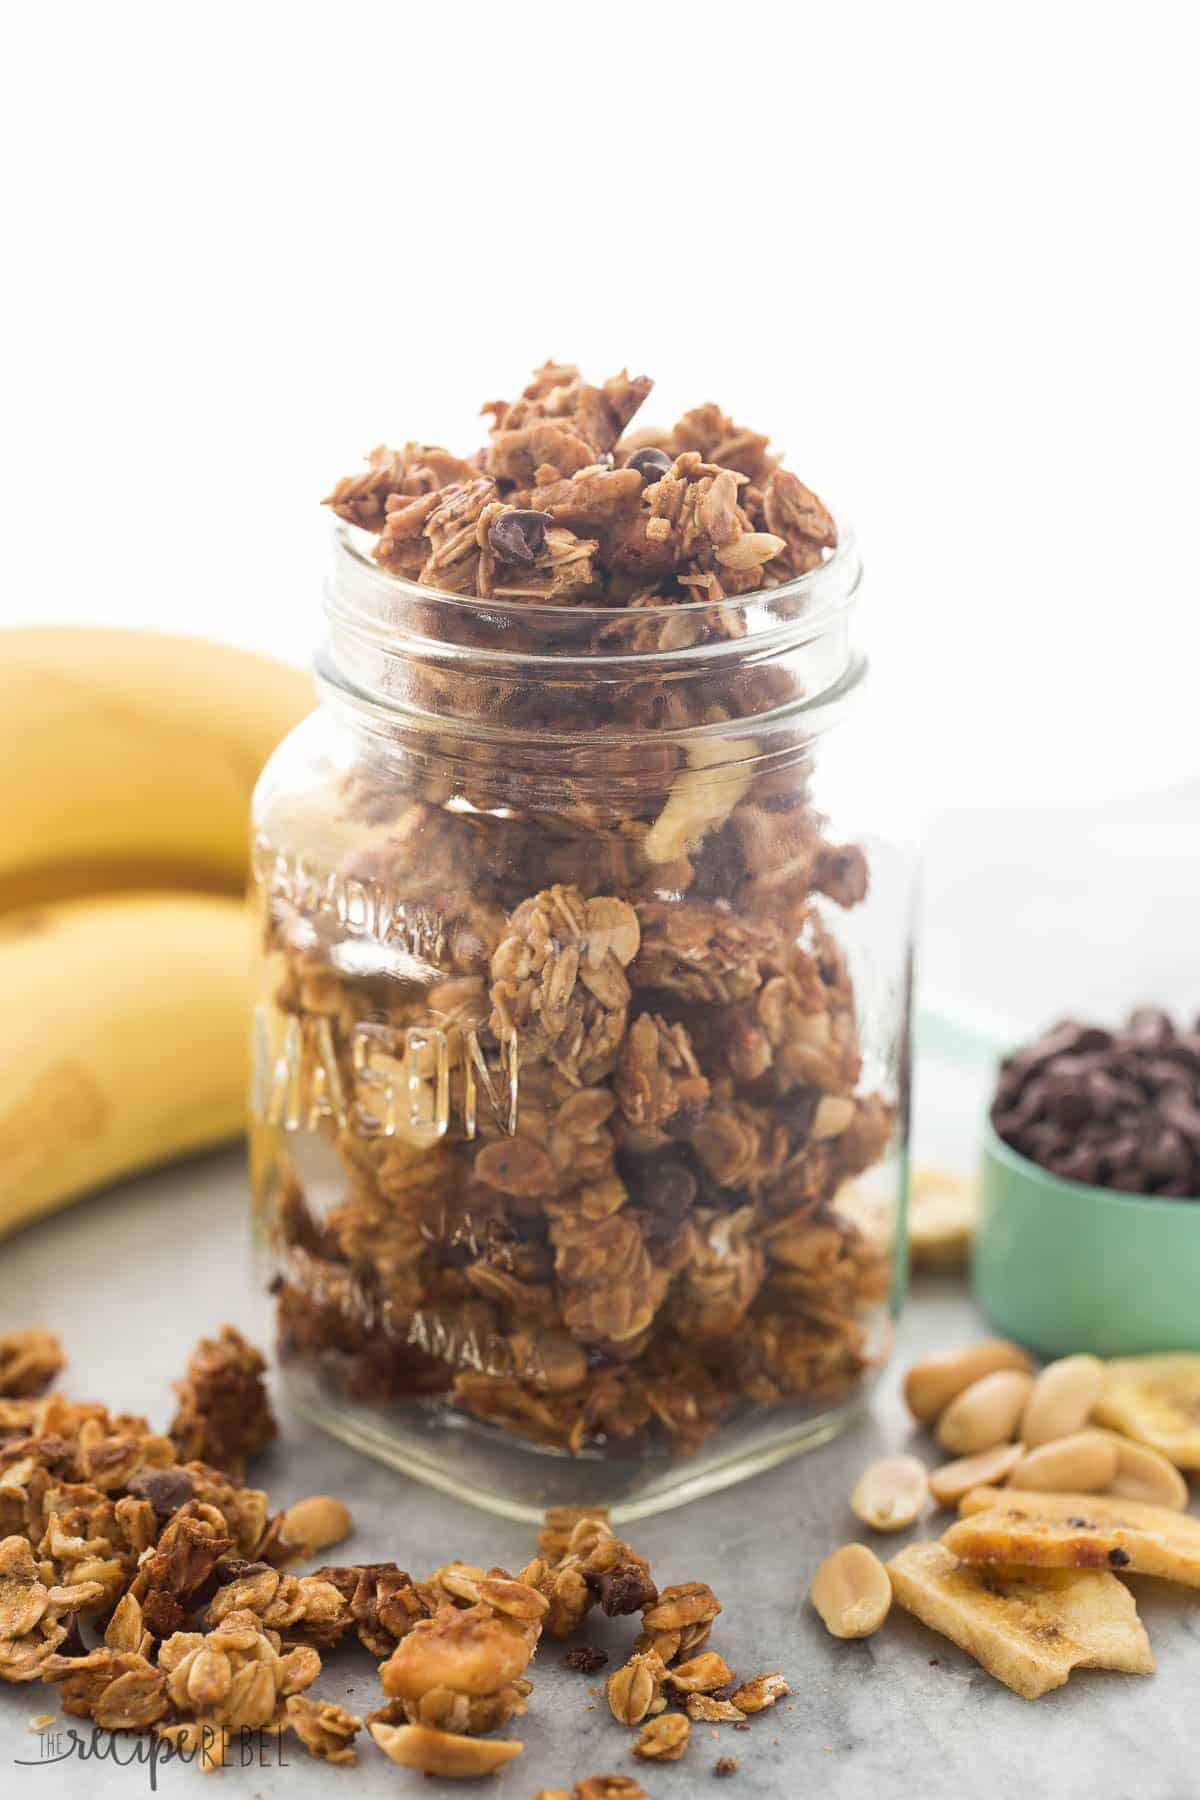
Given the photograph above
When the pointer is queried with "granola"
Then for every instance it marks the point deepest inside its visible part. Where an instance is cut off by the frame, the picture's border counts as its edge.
(224, 1414)
(580, 1041)
(29, 1361)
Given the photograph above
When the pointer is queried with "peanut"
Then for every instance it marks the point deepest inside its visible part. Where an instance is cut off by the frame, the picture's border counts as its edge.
(317, 1522)
(1145, 1474)
(985, 1414)
(890, 1493)
(930, 1386)
(851, 1592)
(1082, 1463)
(987, 1468)
(1062, 1399)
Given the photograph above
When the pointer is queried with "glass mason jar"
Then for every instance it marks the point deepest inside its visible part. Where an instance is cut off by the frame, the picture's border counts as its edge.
(583, 1006)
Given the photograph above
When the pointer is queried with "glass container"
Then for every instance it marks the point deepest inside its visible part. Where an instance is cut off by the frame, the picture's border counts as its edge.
(581, 1038)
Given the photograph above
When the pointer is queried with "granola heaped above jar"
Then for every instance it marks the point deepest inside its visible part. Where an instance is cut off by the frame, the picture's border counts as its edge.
(560, 1068)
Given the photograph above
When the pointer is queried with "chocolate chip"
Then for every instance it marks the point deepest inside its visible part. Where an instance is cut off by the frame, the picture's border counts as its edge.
(72, 1644)
(1110, 1109)
(518, 537)
(650, 464)
(166, 1489)
(1149, 1025)
(1118, 1558)
(586, 1658)
(1167, 1157)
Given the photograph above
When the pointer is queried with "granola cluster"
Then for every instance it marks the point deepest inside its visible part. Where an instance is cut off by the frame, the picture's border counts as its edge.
(563, 1070)
(201, 1632)
(108, 1525)
(563, 506)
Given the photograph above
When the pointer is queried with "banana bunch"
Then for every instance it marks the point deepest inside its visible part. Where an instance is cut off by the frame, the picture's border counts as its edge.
(130, 759)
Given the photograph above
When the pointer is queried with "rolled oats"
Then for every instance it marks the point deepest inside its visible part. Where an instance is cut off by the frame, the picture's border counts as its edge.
(635, 1690)
(713, 1712)
(325, 1729)
(663, 1739)
(763, 1691)
(702, 1674)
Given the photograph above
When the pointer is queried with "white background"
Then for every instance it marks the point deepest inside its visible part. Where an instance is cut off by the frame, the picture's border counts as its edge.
(946, 253)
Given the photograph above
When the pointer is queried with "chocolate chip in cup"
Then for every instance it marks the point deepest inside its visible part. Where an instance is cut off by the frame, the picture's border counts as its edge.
(1113, 1109)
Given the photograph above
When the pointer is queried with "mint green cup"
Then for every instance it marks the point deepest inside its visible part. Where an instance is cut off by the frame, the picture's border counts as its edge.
(1064, 1267)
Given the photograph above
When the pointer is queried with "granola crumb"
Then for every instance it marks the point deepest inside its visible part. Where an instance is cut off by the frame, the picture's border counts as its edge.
(725, 1765)
(587, 1658)
(42, 1721)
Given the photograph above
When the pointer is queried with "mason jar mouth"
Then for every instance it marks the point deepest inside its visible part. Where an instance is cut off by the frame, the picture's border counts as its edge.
(407, 655)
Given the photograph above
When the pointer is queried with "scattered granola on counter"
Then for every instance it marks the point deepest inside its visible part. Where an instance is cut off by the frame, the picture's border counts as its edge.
(203, 1632)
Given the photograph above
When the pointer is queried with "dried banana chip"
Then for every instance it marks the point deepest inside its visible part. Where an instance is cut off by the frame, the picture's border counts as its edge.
(1156, 1401)
(1076, 1531)
(1028, 1627)
(943, 1210)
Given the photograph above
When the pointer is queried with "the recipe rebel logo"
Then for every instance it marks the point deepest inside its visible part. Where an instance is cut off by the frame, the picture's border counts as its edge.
(258, 1748)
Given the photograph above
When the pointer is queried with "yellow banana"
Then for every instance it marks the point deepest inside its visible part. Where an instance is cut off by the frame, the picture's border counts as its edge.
(123, 1034)
(130, 756)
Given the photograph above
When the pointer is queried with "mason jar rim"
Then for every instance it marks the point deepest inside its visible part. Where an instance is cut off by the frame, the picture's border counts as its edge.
(790, 613)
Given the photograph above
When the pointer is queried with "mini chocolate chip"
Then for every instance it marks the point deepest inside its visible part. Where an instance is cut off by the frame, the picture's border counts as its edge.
(586, 1658)
(72, 1644)
(166, 1489)
(518, 537)
(651, 464)
(1118, 1558)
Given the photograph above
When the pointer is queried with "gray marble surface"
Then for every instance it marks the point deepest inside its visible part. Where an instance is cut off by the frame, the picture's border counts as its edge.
(1025, 918)
(131, 1278)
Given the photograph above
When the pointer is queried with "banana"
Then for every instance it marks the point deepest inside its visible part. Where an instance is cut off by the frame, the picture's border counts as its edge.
(122, 1040)
(130, 758)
